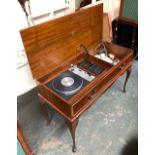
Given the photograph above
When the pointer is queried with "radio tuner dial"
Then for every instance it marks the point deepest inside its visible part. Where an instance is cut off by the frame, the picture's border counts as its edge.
(81, 73)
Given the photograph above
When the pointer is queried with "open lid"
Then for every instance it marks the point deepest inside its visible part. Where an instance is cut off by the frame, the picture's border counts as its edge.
(50, 44)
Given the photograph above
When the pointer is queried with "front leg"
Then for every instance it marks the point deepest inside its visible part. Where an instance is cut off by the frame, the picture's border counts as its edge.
(128, 72)
(72, 127)
(44, 110)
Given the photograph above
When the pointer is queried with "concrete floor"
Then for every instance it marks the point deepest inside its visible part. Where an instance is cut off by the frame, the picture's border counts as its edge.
(106, 128)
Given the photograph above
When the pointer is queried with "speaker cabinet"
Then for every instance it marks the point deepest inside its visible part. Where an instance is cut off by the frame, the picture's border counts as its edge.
(125, 33)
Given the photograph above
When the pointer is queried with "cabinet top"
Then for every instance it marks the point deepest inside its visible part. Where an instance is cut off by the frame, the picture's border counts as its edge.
(52, 43)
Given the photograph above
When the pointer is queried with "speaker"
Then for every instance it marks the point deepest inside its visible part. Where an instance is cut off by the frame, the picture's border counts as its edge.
(125, 33)
(125, 27)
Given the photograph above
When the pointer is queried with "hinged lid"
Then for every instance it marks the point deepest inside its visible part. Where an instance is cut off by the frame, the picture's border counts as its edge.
(50, 44)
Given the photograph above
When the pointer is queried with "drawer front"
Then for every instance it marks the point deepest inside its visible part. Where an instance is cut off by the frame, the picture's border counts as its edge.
(99, 89)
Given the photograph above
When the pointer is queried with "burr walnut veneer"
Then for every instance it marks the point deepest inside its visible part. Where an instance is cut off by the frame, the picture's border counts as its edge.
(51, 48)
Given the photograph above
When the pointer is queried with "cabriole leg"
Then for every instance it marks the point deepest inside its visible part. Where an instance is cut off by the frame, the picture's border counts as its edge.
(128, 72)
(72, 127)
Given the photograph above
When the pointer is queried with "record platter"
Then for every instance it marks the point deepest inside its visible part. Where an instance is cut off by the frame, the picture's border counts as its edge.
(67, 84)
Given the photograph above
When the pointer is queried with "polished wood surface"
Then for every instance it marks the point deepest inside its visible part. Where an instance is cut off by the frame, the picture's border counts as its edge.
(72, 127)
(52, 46)
(73, 108)
(106, 28)
(52, 43)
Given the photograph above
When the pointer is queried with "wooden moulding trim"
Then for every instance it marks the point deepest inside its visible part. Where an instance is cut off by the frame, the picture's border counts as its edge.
(106, 15)
(132, 21)
(101, 91)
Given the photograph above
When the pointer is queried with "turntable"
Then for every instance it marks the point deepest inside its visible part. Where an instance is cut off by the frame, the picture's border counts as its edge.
(67, 84)
(70, 82)
(62, 56)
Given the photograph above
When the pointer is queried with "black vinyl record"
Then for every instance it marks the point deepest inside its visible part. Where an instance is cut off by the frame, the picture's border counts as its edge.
(67, 83)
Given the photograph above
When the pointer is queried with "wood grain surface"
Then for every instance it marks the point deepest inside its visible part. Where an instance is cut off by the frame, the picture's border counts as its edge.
(50, 44)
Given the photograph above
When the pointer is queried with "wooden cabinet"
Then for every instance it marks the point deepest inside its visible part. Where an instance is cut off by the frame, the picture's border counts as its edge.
(52, 47)
(125, 33)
